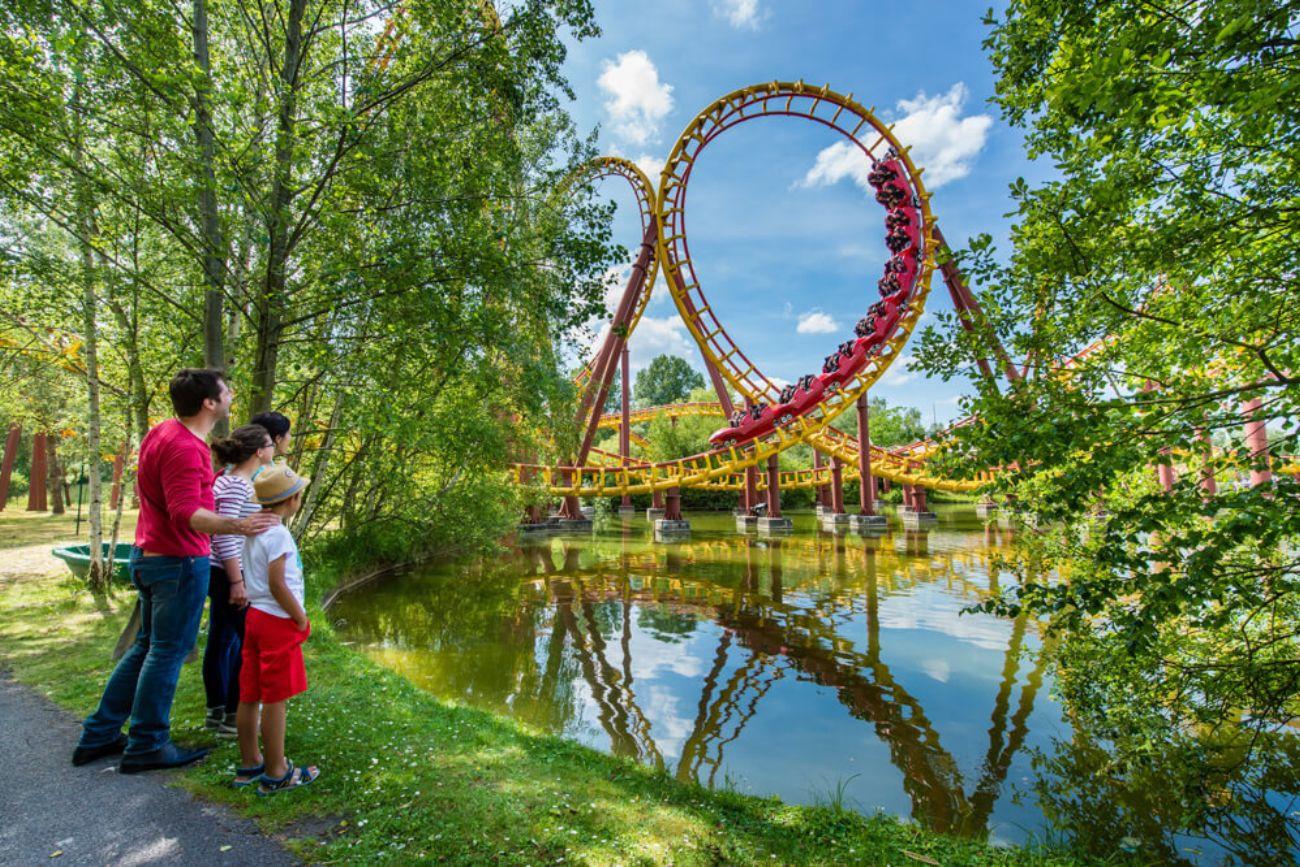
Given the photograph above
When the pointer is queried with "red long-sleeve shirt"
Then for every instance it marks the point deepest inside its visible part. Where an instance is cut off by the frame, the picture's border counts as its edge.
(174, 481)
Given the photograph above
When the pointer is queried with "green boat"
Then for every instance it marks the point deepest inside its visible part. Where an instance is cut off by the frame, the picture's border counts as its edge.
(78, 559)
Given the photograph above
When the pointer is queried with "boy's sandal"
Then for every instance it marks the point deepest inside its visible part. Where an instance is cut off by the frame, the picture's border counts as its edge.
(294, 777)
(245, 777)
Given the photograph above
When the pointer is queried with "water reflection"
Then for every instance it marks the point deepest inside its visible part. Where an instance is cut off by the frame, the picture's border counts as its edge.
(781, 666)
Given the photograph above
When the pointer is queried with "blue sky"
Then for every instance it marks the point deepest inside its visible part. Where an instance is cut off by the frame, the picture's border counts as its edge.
(787, 245)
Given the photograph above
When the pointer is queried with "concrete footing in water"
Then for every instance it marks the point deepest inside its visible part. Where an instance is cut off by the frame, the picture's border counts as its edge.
(746, 523)
(868, 523)
(918, 519)
(666, 530)
(626, 511)
(652, 514)
(774, 526)
(834, 522)
(986, 510)
(572, 525)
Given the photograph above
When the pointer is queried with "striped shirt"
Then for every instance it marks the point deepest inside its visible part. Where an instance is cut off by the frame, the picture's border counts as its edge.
(234, 499)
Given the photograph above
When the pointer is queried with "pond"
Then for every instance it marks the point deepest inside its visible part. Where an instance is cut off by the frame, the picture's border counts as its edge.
(818, 667)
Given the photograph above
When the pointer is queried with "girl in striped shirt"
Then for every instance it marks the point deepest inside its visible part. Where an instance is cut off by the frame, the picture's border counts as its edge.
(242, 454)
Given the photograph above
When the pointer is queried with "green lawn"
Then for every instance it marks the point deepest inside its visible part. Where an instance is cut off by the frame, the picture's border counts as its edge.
(408, 777)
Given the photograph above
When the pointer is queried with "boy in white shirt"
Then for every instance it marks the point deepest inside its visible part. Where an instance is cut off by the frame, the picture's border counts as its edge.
(272, 669)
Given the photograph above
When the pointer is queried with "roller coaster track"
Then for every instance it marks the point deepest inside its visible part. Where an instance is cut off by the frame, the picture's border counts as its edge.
(729, 367)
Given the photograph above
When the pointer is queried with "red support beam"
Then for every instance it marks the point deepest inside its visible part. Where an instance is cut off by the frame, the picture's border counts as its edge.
(1257, 442)
(119, 466)
(625, 428)
(7, 466)
(606, 361)
(1208, 484)
(969, 312)
(36, 500)
(673, 509)
(773, 488)
(866, 492)
(837, 486)
(820, 498)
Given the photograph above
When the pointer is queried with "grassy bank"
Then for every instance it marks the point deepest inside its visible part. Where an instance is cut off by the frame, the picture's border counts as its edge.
(408, 777)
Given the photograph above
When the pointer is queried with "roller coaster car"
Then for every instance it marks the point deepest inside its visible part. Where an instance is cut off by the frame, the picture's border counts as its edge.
(797, 399)
(843, 363)
(758, 421)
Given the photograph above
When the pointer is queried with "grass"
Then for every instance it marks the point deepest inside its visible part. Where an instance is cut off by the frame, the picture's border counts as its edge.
(407, 777)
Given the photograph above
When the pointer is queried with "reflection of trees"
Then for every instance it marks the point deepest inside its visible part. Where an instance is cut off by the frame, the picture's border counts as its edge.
(524, 647)
(1243, 809)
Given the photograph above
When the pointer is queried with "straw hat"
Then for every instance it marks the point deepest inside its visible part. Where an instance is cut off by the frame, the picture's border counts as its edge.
(277, 483)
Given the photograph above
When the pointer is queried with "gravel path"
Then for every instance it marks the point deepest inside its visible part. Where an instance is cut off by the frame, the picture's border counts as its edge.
(57, 814)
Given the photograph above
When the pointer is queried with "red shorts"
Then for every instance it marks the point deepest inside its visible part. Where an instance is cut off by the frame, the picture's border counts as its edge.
(271, 668)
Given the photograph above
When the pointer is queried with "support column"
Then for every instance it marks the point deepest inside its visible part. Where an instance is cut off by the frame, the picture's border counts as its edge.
(657, 507)
(1165, 470)
(625, 432)
(119, 465)
(1209, 486)
(54, 476)
(773, 521)
(672, 525)
(1257, 442)
(837, 485)
(918, 513)
(7, 466)
(866, 521)
(36, 500)
(819, 499)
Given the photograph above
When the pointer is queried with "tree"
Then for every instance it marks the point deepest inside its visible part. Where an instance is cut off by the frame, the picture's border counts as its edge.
(1165, 245)
(666, 379)
(890, 425)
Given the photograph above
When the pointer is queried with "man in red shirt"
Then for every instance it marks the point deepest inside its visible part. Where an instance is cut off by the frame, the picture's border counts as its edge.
(169, 568)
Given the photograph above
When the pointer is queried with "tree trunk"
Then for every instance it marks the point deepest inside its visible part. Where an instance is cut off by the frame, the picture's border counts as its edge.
(214, 264)
(269, 320)
(318, 470)
(54, 475)
(85, 204)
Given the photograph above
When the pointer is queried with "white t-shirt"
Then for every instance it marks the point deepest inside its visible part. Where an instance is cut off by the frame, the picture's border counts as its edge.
(259, 553)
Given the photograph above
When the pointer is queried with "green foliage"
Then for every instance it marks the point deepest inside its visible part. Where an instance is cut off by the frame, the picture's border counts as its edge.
(666, 379)
(1164, 246)
(395, 271)
(890, 425)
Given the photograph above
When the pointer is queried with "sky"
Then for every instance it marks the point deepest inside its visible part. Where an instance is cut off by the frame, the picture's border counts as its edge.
(786, 241)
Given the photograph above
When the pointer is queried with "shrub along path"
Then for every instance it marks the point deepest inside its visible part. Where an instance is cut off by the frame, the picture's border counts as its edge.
(406, 777)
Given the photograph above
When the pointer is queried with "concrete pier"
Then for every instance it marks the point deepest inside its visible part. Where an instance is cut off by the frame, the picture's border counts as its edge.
(775, 526)
(572, 525)
(746, 523)
(667, 531)
(833, 522)
(986, 509)
(919, 519)
(626, 511)
(868, 524)
(652, 514)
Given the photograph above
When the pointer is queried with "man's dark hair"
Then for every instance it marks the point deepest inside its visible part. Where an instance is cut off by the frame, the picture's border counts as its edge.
(273, 421)
(193, 385)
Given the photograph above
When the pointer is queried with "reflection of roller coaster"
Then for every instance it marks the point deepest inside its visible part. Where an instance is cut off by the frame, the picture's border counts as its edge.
(774, 419)
(764, 638)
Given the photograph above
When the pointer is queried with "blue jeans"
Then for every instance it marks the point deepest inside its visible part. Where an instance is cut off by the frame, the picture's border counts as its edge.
(143, 684)
(221, 658)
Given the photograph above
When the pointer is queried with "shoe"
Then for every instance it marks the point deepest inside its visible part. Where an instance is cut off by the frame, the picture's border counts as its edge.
(223, 725)
(85, 755)
(167, 756)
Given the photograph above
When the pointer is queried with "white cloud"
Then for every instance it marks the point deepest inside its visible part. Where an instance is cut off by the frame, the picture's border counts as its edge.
(900, 372)
(638, 102)
(816, 322)
(943, 142)
(652, 166)
(739, 13)
(841, 160)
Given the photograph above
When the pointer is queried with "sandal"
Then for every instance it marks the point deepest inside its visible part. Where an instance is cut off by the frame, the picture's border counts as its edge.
(294, 777)
(245, 777)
